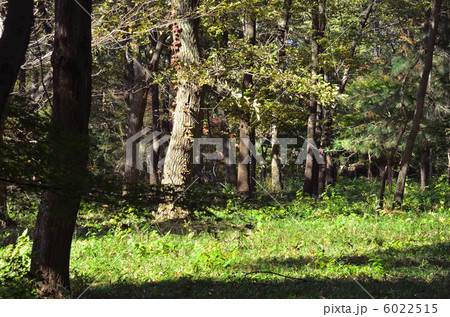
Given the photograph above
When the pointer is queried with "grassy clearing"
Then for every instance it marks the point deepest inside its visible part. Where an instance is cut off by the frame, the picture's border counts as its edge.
(257, 250)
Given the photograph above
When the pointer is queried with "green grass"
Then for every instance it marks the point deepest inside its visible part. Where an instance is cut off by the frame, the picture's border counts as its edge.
(391, 256)
(257, 249)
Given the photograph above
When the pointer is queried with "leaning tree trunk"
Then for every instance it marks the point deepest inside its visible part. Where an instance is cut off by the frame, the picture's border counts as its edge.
(244, 182)
(72, 67)
(178, 161)
(386, 175)
(13, 45)
(407, 153)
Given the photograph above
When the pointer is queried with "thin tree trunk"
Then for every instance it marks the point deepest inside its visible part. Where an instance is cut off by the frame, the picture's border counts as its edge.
(407, 153)
(243, 179)
(178, 166)
(13, 45)
(424, 165)
(72, 67)
(253, 162)
(383, 174)
(276, 170)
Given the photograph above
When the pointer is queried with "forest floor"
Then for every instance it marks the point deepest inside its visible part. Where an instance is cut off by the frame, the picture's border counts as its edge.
(291, 250)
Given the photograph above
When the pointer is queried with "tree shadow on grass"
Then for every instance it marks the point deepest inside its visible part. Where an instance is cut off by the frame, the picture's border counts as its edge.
(404, 283)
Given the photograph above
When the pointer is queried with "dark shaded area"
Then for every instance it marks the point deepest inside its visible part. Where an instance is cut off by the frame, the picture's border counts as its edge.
(310, 288)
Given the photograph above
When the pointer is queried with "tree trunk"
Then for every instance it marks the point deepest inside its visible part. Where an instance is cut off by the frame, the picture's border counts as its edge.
(383, 175)
(276, 170)
(178, 166)
(5, 220)
(13, 45)
(154, 179)
(244, 182)
(137, 83)
(253, 162)
(72, 67)
(243, 179)
(424, 165)
(229, 155)
(407, 153)
(282, 30)
(310, 185)
(156, 117)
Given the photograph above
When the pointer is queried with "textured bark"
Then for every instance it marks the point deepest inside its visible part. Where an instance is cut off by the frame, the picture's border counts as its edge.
(72, 66)
(253, 162)
(407, 153)
(244, 183)
(276, 170)
(178, 161)
(13, 46)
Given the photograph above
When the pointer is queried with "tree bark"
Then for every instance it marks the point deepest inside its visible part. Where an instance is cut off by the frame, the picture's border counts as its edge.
(407, 153)
(178, 166)
(13, 45)
(72, 68)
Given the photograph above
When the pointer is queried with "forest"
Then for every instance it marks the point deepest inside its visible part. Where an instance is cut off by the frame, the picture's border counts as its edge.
(224, 149)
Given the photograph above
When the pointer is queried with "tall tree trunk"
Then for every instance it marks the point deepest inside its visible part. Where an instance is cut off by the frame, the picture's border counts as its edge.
(178, 166)
(310, 185)
(276, 170)
(244, 185)
(407, 153)
(156, 117)
(13, 45)
(282, 31)
(72, 68)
